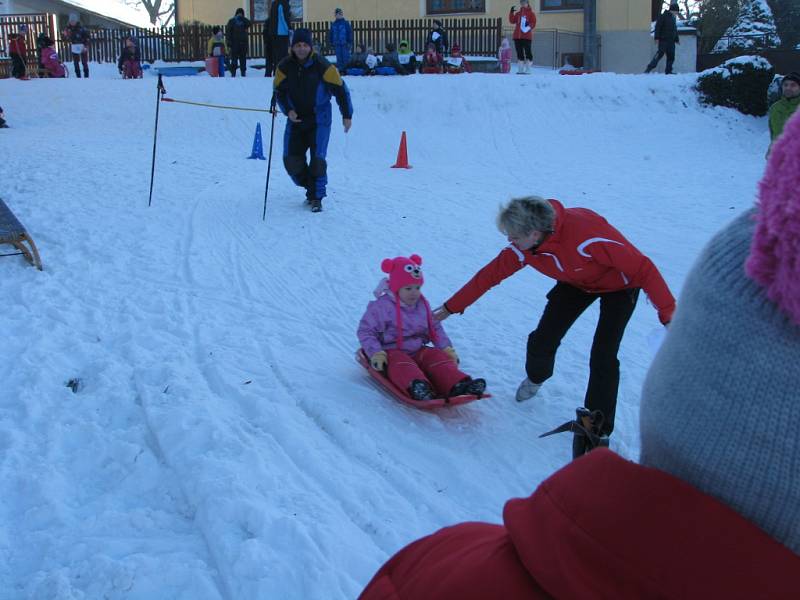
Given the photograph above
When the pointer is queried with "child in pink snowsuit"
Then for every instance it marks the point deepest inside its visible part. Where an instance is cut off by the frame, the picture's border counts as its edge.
(504, 56)
(51, 62)
(395, 332)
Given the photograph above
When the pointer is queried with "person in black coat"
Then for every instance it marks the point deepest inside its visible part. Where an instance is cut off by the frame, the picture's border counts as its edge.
(438, 37)
(269, 61)
(236, 37)
(2, 119)
(666, 34)
(280, 19)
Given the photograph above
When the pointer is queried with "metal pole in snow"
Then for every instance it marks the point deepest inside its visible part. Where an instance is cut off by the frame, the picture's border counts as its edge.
(160, 91)
(269, 161)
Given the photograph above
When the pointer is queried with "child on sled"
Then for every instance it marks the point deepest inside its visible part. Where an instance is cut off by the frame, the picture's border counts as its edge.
(395, 333)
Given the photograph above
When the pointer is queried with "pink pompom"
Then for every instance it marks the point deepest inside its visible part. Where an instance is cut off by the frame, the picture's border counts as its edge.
(774, 260)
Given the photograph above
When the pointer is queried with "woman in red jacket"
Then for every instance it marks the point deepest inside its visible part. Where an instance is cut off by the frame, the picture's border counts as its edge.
(590, 260)
(524, 21)
(713, 508)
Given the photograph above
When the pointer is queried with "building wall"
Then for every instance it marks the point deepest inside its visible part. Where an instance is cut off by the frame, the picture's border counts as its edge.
(211, 12)
(623, 25)
(625, 51)
(612, 15)
(11, 7)
(627, 15)
(630, 51)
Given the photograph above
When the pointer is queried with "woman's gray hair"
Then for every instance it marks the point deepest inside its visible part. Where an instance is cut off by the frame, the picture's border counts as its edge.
(521, 216)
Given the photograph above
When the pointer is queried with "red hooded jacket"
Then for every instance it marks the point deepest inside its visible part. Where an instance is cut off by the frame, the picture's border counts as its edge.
(16, 45)
(52, 63)
(601, 527)
(517, 19)
(585, 251)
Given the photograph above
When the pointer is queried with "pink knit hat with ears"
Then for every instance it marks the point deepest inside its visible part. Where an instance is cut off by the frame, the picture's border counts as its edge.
(774, 260)
(405, 271)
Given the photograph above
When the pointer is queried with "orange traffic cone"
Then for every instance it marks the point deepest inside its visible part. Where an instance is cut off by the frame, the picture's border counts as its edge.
(402, 155)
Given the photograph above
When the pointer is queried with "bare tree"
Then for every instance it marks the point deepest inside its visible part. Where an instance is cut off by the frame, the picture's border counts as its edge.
(161, 12)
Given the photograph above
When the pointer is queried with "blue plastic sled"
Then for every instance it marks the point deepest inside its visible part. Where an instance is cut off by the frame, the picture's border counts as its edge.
(175, 71)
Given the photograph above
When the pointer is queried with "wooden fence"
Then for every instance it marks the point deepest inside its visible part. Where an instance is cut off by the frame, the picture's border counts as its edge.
(713, 51)
(37, 23)
(478, 37)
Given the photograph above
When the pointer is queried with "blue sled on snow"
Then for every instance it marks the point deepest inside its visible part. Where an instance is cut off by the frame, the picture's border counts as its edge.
(174, 71)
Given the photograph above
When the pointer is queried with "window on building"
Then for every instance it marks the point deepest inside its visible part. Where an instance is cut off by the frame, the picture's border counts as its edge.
(561, 4)
(296, 6)
(445, 7)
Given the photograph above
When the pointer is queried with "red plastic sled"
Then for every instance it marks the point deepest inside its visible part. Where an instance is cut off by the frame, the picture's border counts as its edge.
(400, 395)
(576, 71)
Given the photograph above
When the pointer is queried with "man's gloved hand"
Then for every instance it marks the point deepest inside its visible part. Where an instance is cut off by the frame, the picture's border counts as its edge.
(378, 360)
(452, 354)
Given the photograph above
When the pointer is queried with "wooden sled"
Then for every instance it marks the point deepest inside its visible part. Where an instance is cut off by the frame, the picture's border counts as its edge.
(12, 232)
(403, 397)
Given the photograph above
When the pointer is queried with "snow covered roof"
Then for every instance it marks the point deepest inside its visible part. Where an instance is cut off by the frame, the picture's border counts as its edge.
(113, 9)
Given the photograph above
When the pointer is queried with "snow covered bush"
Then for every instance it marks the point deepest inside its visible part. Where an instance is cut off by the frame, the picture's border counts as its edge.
(739, 83)
(754, 28)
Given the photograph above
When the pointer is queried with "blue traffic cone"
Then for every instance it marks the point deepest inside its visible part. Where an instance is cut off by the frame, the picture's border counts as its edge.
(258, 145)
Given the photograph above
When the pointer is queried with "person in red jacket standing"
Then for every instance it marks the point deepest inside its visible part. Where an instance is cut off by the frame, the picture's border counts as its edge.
(18, 52)
(590, 260)
(524, 22)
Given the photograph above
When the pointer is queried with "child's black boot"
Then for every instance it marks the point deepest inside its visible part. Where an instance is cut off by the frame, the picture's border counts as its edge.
(420, 390)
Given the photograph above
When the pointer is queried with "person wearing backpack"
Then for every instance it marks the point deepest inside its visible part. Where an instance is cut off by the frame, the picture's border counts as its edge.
(236, 37)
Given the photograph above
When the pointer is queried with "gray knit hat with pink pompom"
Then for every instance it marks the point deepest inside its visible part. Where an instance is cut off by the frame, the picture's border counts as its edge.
(721, 401)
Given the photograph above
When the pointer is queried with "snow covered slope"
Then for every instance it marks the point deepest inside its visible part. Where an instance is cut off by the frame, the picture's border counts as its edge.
(224, 443)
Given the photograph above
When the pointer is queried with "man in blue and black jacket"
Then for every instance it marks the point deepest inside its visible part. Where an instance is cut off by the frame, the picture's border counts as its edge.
(303, 85)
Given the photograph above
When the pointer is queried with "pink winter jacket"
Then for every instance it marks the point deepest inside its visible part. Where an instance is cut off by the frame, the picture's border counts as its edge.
(51, 63)
(377, 329)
